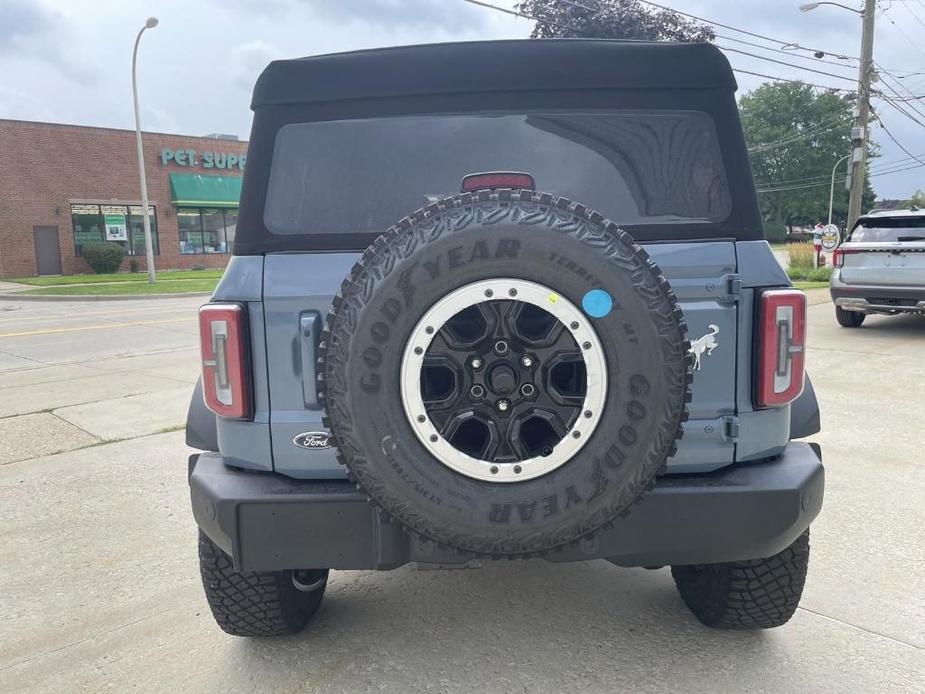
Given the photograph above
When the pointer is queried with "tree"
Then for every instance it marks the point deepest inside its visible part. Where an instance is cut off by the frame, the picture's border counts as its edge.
(610, 19)
(917, 200)
(795, 137)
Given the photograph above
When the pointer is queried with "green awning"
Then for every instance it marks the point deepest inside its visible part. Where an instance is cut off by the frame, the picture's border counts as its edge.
(198, 190)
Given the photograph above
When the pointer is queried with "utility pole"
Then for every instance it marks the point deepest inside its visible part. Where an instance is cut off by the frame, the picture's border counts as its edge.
(859, 133)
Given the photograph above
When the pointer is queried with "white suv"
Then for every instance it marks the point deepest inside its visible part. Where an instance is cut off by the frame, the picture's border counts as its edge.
(880, 268)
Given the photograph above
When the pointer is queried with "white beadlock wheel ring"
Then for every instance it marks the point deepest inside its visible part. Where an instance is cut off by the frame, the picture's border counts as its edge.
(574, 321)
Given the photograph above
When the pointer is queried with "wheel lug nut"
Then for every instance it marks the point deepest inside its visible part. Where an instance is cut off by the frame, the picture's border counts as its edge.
(503, 405)
(527, 389)
(501, 347)
(526, 361)
(476, 391)
(475, 363)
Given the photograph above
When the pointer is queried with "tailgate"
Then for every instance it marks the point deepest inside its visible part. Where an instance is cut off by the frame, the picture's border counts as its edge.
(884, 264)
(299, 287)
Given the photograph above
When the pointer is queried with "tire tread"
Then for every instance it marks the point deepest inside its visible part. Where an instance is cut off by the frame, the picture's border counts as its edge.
(753, 594)
(258, 603)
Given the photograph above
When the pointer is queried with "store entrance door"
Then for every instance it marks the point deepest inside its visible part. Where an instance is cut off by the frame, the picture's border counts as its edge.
(47, 251)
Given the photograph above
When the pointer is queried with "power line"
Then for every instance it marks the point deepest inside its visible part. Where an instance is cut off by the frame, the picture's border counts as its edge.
(902, 31)
(815, 130)
(914, 14)
(895, 141)
(900, 109)
(883, 167)
(798, 56)
(782, 62)
(837, 180)
(741, 31)
(780, 42)
(526, 16)
(907, 104)
(793, 81)
(598, 10)
(776, 78)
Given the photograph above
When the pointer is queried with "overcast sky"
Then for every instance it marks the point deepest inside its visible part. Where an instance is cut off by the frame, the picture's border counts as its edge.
(69, 60)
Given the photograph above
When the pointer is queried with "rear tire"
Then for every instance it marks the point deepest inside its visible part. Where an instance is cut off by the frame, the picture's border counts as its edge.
(258, 603)
(754, 594)
(849, 319)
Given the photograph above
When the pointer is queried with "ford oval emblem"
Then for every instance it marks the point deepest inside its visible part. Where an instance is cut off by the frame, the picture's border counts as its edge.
(314, 440)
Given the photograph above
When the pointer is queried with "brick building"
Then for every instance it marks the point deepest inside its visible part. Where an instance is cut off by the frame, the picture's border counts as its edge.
(62, 186)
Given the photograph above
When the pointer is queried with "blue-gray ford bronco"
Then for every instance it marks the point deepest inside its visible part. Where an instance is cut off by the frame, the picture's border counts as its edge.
(502, 300)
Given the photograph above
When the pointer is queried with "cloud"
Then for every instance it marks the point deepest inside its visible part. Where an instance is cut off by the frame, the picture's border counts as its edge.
(30, 31)
(21, 21)
(440, 13)
(382, 13)
(247, 61)
(19, 103)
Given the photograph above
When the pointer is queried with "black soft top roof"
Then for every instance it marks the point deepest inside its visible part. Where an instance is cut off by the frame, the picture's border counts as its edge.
(481, 66)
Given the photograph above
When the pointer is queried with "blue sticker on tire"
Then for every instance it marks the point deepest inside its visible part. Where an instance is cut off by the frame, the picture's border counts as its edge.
(597, 303)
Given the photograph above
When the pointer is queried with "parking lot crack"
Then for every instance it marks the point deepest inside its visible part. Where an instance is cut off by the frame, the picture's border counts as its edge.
(872, 632)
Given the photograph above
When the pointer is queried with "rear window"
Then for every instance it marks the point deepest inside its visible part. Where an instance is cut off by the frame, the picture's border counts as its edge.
(362, 176)
(889, 230)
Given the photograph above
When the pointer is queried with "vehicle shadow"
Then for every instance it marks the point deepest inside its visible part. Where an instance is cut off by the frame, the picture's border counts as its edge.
(907, 323)
(520, 626)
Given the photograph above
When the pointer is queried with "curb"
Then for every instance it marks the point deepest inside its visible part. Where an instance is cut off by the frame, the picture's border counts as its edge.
(18, 296)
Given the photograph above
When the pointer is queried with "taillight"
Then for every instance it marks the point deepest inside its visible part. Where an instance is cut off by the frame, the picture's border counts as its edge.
(838, 256)
(497, 179)
(222, 343)
(781, 346)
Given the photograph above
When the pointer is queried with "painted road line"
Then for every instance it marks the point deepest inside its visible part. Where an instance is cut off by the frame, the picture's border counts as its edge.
(59, 314)
(107, 326)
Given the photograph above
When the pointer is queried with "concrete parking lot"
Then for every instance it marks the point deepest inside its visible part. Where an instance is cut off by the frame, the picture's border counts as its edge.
(99, 588)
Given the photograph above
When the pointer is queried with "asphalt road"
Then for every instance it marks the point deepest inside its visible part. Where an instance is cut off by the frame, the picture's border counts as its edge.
(99, 589)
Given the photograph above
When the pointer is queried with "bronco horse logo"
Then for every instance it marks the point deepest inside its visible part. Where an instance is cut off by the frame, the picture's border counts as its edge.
(704, 345)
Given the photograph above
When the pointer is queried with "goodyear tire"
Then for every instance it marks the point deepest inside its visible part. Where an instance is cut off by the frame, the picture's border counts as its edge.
(556, 475)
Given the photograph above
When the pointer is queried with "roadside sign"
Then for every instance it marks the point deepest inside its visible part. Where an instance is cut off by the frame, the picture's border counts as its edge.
(830, 237)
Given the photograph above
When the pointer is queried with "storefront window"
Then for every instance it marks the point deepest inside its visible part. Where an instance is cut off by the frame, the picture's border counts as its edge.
(120, 224)
(231, 225)
(213, 231)
(189, 224)
(136, 228)
(206, 229)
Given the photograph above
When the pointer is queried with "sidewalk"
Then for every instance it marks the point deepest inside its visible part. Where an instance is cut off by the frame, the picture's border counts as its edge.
(9, 287)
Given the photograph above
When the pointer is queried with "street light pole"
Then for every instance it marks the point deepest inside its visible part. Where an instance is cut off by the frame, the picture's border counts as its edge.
(832, 188)
(150, 23)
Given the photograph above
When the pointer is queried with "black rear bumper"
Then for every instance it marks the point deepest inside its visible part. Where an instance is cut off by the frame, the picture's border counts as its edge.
(267, 521)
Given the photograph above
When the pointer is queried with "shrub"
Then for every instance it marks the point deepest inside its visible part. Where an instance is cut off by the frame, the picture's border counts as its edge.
(817, 274)
(103, 257)
(133, 265)
(198, 267)
(775, 233)
(802, 255)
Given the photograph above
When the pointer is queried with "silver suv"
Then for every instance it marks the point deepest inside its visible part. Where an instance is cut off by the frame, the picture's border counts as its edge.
(880, 268)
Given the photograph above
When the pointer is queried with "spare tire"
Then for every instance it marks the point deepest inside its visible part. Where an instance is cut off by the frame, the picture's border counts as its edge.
(505, 372)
